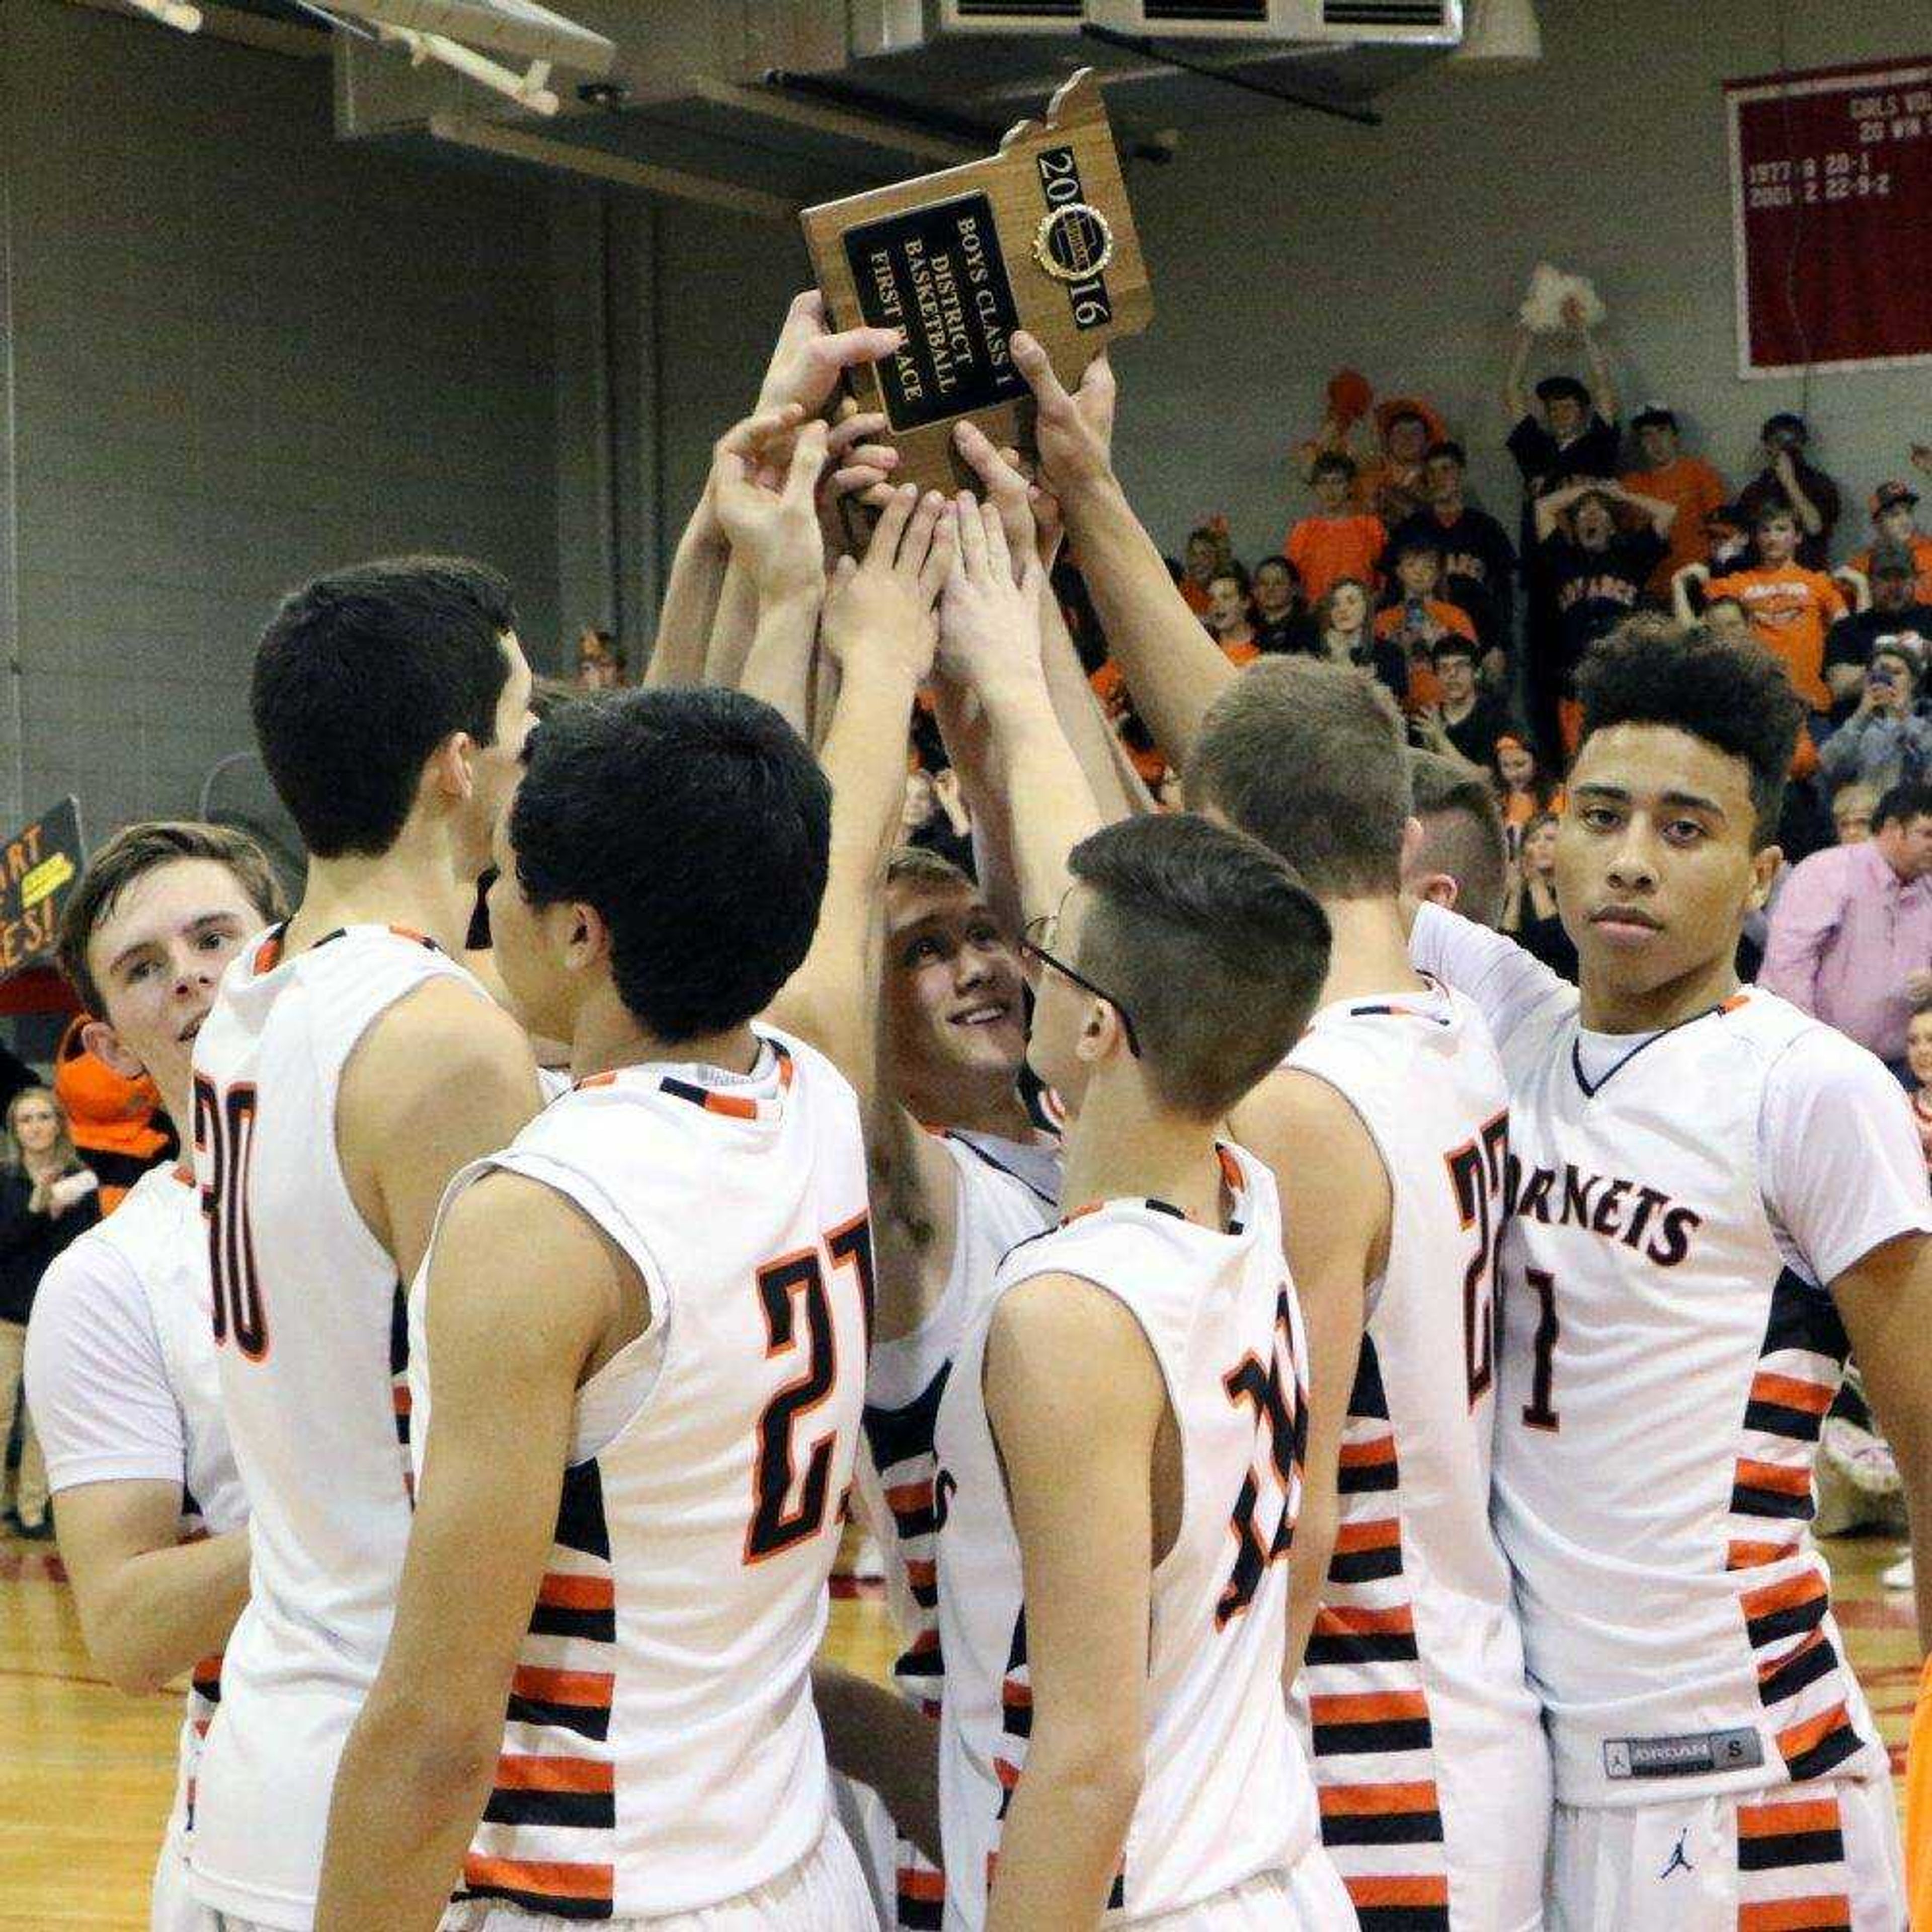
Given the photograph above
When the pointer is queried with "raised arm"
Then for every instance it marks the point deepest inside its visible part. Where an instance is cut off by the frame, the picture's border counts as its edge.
(774, 534)
(878, 625)
(1116, 792)
(989, 639)
(1516, 390)
(1551, 507)
(1809, 514)
(1681, 581)
(1662, 515)
(1174, 668)
(1603, 384)
(690, 598)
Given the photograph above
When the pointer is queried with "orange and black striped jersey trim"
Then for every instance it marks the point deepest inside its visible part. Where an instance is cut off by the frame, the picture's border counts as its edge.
(1787, 1611)
(554, 1792)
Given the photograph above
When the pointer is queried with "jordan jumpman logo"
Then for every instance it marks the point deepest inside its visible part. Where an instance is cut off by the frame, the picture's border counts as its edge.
(1678, 1862)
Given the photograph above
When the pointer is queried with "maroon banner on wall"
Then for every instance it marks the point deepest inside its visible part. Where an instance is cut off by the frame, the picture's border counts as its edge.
(1832, 206)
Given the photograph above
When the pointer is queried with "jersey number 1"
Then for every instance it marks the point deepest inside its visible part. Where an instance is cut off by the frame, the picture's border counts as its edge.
(788, 1289)
(224, 1130)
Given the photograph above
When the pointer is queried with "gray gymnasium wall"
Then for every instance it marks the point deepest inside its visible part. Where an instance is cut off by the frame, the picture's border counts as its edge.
(1283, 246)
(241, 352)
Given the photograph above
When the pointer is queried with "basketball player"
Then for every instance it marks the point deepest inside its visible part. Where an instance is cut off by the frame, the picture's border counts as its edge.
(121, 1369)
(641, 1334)
(1714, 1195)
(1462, 860)
(349, 1067)
(963, 1174)
(1433, 1772)
(1119, 1438)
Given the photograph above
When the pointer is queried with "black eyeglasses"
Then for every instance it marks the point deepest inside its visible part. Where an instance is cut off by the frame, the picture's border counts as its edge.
(1032, 937)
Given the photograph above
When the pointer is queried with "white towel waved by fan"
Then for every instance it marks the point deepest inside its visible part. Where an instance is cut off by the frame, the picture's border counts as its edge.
(1550, 289)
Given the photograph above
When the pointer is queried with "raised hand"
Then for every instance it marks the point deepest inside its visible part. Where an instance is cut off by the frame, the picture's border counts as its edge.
(808, 358)
(1028, 515)
(774, 530)
(989, 613)
(1074, 431)
(885, 604)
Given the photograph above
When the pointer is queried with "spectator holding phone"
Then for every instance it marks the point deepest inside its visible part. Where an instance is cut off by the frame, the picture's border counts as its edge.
(1885, 741)
(1898, 615)
(1419, 617)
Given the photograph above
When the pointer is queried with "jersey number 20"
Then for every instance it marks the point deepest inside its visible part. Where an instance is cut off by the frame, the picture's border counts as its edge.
(787, 1506)
(224, 1130)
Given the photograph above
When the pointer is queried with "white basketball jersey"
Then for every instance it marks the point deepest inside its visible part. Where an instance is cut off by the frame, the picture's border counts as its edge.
(995, 1211)
(1217, 1806)
(996, 1206)
(157, 1237)
(661, 1750)
(310, 1334)
(1428, 1742)
(1665, 1374)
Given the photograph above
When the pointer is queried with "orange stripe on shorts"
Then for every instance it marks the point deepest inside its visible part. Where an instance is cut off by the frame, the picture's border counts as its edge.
(1791, 1392)
(1804, 1588)
(577, 1593)
(526, 1773)
(1797, 1739)
(548, 1879)
(1825, 1911)
(1777, 1821)
(1794, 1480)
(1397, 1891)
(1368, 1707)
(1368, 1800)
(1354, 1536)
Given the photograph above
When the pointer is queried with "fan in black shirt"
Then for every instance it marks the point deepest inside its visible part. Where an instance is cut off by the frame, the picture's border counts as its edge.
(1595, 573)
(1478, 559)
(1787, 481)
(1896, 615)
(1467, 721)
(1275, 592)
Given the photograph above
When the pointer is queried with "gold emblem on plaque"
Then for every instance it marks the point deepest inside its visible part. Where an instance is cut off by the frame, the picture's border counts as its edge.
(1073, 241)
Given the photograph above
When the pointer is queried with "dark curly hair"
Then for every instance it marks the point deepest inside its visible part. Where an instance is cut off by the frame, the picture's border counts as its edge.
(1736, 698)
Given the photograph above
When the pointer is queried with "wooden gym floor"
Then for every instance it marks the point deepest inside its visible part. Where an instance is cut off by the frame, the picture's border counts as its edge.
(86, 1775)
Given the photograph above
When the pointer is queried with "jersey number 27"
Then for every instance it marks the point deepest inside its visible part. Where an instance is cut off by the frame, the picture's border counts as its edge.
(789, 1505)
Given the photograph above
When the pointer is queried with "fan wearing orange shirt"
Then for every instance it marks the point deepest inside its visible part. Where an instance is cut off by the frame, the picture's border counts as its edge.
(1207, 552)
(1892, 505)
(1687, 482)
(1420, 618)
(1337, 540)
(1790, 608)
(1228, 616)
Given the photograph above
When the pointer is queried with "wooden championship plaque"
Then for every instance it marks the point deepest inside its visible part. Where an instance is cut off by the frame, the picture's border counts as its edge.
(1038, 236)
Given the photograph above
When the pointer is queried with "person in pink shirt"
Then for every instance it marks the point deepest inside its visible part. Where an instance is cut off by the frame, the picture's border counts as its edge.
(1851, 931)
